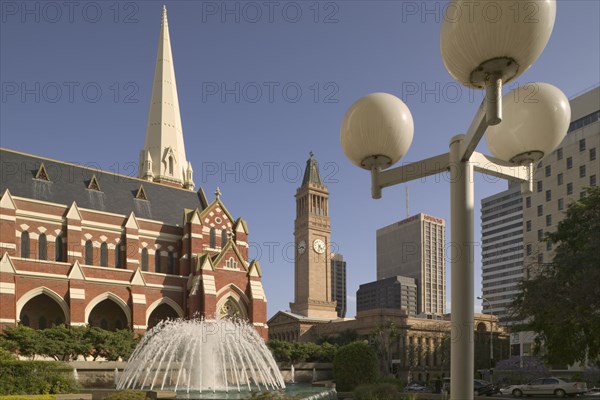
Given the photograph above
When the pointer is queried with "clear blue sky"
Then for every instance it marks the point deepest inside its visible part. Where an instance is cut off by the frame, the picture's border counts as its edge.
(310, 60)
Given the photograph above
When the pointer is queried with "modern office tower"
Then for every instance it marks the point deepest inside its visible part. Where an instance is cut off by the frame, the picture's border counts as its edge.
(338, 283)
(395, 292)
(415, 248)
(561, 178)
(501, 250)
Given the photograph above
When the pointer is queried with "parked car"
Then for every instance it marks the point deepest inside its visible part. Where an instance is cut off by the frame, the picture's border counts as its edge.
(546, 386)
(415, 387)
(480, 387)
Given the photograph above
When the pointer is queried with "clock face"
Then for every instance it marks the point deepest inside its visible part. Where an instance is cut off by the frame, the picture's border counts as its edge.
(319, 246)
(301, 247)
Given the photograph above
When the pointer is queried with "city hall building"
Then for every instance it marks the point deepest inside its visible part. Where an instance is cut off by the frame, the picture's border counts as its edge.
(82, 246)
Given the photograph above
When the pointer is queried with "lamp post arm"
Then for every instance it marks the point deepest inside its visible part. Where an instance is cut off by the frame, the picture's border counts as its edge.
(406, 173)
(501, 169)
(475, 132)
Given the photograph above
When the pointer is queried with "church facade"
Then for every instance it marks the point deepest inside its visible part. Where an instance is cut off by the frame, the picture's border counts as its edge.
(83, 246)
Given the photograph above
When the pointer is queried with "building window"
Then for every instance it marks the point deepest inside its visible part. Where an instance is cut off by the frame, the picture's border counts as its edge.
(25, 244)
(548, 170)
(582, 145)
(528, 201)
(231, 263)
(223, 238)
(559, 177)
(157, 261)
(42, 323)
(118, 256)
(559, 154)
(540, 210)
(58, 249)
(540, 235)
(548, 195)
(592, 154)
(592, 180)
(89, 253)
(42, 247)
(561, 204)
(170, 165)
(144, 259)
(540, 186)
(528, 226)
(213, 239)
(582, 171)
(548, 245)
(104, 254)
(529, 249)
(569, 189)
(549, 220)
(540, 258)
(569, 162)
(170, 263)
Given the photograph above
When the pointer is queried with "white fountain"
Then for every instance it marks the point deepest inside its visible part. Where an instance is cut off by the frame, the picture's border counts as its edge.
(202, 356)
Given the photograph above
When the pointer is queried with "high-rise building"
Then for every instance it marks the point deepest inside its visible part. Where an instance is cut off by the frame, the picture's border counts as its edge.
(312, 265)
(397, 292)
(514, 226)
(501, 250)
(415, 248)
(338, 283)
(561, 178)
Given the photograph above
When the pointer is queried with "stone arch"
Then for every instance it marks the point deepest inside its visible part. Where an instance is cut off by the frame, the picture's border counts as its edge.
(160, 302)
(115, 299)
(232, 297)
(482, 327)
(23, 300)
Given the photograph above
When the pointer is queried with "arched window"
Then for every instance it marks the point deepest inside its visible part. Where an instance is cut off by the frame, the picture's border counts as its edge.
(118, 256)
(144, 259)
(42, 247)
(170, 165)
(104, 324)
(170, 262)
(157, 261)
(213, 239)
(25, 320)
(89, 253)
(104, 254)
(58, 249)
(223, 238)
(42, 323)
(25, 244)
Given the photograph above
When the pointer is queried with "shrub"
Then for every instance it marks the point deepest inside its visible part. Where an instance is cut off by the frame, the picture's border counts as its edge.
(379, 391)
(127, 395)
(354, 364)
(36, 377)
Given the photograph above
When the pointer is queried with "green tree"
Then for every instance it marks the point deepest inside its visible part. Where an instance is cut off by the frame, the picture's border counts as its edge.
(354, 364)
(119, 344)
(385, 337)
(27, 340)
(561, 300)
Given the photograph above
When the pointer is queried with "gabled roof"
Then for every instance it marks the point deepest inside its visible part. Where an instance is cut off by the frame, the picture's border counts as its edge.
(204, 261)
(240, 223)
(254, 269)
(68, 184)
(287, 316)
(216, 202)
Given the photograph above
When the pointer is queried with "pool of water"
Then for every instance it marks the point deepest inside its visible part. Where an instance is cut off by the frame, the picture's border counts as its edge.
(304, 391)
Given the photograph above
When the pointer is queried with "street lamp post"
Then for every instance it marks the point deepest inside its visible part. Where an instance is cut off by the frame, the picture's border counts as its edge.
(491, 335)
(377, 131)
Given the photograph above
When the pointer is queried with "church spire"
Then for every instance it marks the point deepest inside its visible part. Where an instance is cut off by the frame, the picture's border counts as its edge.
(163, 157)
(311, 173)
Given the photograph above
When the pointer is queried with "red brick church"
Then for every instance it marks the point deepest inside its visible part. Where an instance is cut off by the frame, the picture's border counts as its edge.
(82, 246)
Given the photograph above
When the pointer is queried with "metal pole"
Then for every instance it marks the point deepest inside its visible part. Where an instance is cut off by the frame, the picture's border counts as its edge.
(461, 210)
(491, 337)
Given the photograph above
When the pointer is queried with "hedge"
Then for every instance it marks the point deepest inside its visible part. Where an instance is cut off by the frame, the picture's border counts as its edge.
(36, 377)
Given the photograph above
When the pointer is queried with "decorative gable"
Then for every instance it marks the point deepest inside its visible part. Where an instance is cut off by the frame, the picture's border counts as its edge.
(141, 193)
(93, 184)
(42, 174)
(230, 258)
(7, 201)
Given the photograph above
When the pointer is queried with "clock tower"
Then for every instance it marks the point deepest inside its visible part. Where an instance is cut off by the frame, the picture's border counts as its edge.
(312, 291)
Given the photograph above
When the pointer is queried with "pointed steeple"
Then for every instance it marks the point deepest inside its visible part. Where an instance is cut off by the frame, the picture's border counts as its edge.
(163, 157)
(311, 173)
